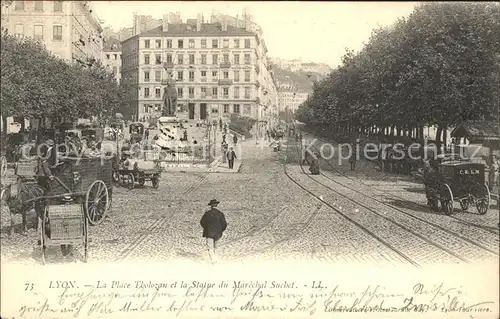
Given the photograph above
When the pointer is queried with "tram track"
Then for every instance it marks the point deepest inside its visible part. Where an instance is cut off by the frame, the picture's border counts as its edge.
(405, 257)
(490, 230)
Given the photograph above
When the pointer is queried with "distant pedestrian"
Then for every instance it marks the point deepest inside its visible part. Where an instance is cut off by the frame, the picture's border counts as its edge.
(224, 151)
(231, 156)
(214, 224)
(235, 139)
(220, 124)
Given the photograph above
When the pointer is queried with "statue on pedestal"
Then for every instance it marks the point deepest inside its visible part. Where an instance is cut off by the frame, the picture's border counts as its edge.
(169, 99)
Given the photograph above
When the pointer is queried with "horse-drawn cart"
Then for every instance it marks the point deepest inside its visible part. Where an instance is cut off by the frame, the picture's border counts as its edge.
(457, 181)
(128, 174)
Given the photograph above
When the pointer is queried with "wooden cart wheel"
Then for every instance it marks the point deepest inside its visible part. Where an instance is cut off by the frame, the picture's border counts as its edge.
(141, 181)
(3, 166)
(464, 204)
(447, 199)
(116, 177)
(96, 202)
(483, 202)
(156, 182)
(43, 229)
(131, 181)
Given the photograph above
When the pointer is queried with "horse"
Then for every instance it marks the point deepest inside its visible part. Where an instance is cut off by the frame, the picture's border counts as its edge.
(23, 202)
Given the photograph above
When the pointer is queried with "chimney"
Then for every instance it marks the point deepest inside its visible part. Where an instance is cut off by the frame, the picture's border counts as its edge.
(224, 23)
(198, 22)
(165, 23)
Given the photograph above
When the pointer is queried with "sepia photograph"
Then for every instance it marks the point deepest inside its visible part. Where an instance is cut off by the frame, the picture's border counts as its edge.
(225, 159)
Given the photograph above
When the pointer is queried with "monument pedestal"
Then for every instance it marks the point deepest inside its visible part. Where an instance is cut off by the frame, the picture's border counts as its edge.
(170, 134)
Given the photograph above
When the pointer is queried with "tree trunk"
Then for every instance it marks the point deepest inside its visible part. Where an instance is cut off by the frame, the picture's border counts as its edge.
(438, 138)
(4, 124)
(445, 136)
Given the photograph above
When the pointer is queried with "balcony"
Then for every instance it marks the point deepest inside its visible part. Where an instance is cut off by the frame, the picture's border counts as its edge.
(225, 64)
(168, 65)
(191, 96)
(226, 97)
(225, 82)
(203, 79)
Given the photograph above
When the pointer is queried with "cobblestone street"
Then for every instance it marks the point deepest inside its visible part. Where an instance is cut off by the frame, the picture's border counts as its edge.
(365, 217)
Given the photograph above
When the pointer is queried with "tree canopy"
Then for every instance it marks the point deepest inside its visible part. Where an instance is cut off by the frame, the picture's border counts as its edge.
(439, 66)
(37, 84)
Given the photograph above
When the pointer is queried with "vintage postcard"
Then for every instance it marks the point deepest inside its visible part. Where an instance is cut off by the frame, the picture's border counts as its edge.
(250, 159)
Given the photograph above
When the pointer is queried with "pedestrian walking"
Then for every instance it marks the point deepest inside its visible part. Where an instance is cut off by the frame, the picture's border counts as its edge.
(214, 224)
(235, 139)
(231, 156)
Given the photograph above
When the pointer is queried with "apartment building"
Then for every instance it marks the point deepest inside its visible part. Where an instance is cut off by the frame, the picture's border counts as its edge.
(69, 29)
(291, 99)
(218, 70)
(112, 57)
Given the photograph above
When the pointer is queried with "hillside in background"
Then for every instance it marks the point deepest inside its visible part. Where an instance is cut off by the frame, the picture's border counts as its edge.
(298, 79)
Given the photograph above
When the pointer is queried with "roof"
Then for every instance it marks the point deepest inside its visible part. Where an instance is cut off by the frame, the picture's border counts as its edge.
(207, 29)
(112, 44)
(478, 130)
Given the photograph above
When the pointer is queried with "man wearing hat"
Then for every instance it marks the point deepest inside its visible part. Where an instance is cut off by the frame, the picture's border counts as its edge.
(231, 156)
(214, 224)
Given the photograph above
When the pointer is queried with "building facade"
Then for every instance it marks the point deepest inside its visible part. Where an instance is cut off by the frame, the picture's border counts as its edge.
(218, 70)
(112, 57)
(290, 99)
(69, 29)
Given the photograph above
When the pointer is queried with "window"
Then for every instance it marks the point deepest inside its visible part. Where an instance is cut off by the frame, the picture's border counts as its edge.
(225, 92)
(247, 76)
(38, 32)
(203, 74)
(180, 92)
(169, 58)
(180, 75)
(215, 59)
(215, 109)
(214, 74)
(247, 58)
(204, 43)
(147, 44)
(247, 43)
(146, 58)
(236, 75)
(247, 109)
(107, 56)
(57, 33)
(203, 59)
(225, 43)
(116, 56)
(191, 59)
(236, 59)
(225, 58)
(158, 58)
(226, 75)
(146, 76)
(214, 92)
(180, 44)
(146, 108)
(180, 59)
(146, 92)
(158, 44)
(226, 108)
(38, 5)
(191, 92)
(157, 93)
(157, 76)
(247, 93)
(215, 43)
(236, 108)
(236, 92)
(191, 76)
(19, 5)
(203, 91)
(236, 43)
(58, 6)
(191, 43)
(169, 43)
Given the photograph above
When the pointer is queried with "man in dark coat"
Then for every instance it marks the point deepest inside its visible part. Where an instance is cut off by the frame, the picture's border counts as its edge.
(231, 156)
(214, 224)
(235, 139)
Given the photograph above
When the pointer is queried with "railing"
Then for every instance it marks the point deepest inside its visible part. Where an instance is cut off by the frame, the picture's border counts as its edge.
(225, 64)
(194, 155)
(225, 82)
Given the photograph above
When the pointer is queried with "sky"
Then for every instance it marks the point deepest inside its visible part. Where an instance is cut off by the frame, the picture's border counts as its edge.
(309, 31)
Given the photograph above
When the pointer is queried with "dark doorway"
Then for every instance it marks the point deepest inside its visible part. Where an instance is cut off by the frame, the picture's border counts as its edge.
(191, 111)
(203, 111)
